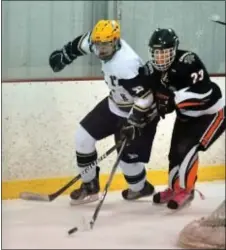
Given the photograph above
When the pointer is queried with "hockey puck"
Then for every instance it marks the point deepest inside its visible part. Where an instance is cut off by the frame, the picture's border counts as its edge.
(73, 230)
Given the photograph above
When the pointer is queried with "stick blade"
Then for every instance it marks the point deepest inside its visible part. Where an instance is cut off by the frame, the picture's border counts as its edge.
(34, 196)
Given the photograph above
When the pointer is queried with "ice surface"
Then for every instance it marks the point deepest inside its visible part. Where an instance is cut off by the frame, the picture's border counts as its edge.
(121, 224)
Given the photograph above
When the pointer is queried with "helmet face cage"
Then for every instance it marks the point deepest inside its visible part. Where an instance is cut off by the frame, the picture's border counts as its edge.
(163, 45)
(161, 59)
(104, 50)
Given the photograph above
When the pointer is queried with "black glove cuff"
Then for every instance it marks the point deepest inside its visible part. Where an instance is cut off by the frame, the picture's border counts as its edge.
(68, 55)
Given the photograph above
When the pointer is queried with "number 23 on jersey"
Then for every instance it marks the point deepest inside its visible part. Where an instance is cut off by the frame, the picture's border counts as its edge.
(197, 76)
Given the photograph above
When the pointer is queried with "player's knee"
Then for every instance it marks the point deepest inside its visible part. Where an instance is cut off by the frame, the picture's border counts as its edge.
(131, 168)
(84, 142)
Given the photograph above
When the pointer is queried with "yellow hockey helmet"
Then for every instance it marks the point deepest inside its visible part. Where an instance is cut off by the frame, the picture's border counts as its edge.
(105, 31)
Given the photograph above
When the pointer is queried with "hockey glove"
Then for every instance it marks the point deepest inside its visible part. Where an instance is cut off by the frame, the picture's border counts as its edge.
(59, 58)
(164, 101)
(132, 128)
(130, 132)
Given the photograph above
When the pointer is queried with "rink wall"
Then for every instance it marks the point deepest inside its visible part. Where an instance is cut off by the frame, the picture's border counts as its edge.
(39, 120)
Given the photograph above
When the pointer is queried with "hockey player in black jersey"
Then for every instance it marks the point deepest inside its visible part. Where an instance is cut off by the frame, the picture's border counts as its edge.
(123, 113)
(181, 83)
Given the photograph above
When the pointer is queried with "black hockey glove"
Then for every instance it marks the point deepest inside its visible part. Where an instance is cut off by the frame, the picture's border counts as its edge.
(59, 58)
(130, 132)
(164, 101)
(132, 128)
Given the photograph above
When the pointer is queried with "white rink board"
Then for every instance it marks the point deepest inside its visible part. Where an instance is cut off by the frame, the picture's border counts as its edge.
(39, 122)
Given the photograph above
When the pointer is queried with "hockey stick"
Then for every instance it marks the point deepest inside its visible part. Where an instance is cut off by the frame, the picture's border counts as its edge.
(220, 22)
(99, 205)
(53, 196)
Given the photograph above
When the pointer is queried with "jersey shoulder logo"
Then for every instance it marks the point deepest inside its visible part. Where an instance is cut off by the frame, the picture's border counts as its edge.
(187, 58)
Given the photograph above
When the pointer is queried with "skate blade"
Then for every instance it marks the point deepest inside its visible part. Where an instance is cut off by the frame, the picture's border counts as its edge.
(140, 198)
(88, 199)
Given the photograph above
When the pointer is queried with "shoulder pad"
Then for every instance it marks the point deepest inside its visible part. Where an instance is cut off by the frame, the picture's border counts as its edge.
(187, 58)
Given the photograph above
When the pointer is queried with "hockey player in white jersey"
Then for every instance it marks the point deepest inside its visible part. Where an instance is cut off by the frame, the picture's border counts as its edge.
(128, 110)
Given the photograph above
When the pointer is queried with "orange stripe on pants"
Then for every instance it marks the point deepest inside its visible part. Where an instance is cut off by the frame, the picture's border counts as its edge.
(191, 177)
(213, 128)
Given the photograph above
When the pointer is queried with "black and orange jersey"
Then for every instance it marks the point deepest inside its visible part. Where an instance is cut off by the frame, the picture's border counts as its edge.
(195, 93)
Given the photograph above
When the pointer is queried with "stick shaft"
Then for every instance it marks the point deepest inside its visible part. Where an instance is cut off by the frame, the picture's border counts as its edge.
(53, 196)
(98, 208)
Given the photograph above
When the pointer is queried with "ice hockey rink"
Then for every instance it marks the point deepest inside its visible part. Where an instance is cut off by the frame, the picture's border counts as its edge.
(121, 224)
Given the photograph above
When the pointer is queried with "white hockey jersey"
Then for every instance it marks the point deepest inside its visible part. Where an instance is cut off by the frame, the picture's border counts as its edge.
(123, 66)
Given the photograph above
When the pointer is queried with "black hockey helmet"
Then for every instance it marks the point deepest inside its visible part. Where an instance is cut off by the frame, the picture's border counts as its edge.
(163, 45)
